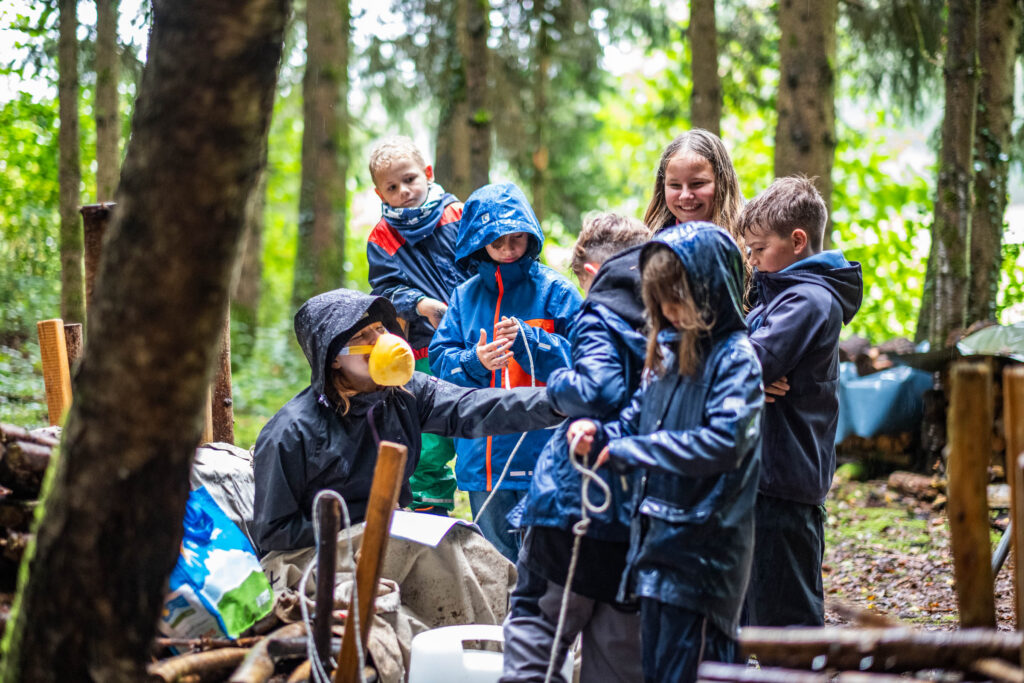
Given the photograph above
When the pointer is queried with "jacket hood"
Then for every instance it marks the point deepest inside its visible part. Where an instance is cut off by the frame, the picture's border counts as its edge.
(334, 317)
(829, 269)
(713, 265)
(617, 287)
(491, 212)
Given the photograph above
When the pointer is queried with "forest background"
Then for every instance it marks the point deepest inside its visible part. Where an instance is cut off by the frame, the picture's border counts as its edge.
(572, 99)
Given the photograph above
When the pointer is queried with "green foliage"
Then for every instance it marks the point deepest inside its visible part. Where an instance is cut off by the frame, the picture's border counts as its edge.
(21, 386)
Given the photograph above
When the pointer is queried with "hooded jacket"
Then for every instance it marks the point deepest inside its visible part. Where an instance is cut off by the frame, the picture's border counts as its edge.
(608, 349)
(411, 255)
(309, 445)
(795, 331)
(694, 441)
(544, 301)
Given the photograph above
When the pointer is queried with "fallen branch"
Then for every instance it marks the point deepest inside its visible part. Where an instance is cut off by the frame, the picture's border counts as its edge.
(998, 670)
(201, 644)
(196, 664)
(258, 665)
(878, 649)
(918, 486)
(9, 433)
(716, 672)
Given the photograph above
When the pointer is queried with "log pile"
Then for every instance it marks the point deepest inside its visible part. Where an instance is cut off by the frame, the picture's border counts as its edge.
(24, 457)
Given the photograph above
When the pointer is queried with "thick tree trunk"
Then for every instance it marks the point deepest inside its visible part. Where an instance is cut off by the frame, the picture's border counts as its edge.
(706, 98)
(112, 527)
(805, 134)
(948, 276)
(998, 27)
(245, 303)
(477, 58)
(541, 82)
(72, 282)
(108, 165)
(451, 148)
(320, 255)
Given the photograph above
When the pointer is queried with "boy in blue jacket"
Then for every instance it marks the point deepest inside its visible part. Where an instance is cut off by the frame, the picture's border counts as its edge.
(411, 258)
(506, 327)
(608, 348)
(804, 296)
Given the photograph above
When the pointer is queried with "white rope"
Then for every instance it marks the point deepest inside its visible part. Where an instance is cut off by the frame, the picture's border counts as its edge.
(508, 385)
(320, 675)
(579, 530)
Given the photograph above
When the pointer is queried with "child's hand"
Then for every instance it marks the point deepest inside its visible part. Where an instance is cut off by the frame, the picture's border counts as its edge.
(507, 328)
(779, 387)
(602, 458)
(432, 309)
(495, 355)
(586, 430)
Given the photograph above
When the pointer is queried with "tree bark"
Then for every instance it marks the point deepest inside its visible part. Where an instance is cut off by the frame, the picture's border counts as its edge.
(706, 98)
(805, 134)
(320, 256)
(452, 144)
(72, 283)
(476, 60)
(106, 110)
(542, 58)
(948, 277)
(998, 27)
(112, 527)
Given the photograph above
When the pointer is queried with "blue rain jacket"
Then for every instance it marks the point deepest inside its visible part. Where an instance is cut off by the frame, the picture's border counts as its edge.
(795, 331)
(695, 441)
(608, 349)
(415, 259)
(308, 445)
(542, 299)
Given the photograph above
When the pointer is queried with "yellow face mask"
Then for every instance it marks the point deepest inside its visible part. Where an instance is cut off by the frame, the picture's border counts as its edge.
(391, 360)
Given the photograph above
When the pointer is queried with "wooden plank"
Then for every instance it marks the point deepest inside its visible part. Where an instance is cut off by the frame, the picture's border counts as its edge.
(56, 376)
(387, 482)
(969, 428)
(1013, 425)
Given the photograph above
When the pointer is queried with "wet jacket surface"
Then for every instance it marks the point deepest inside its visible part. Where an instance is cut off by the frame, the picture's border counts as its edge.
(608, 349)
(542, 299)
(694, 441)
(407, 263)
(795, 328)
(308, 446)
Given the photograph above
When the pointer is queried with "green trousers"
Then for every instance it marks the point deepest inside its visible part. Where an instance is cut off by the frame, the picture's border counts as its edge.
(433, 482)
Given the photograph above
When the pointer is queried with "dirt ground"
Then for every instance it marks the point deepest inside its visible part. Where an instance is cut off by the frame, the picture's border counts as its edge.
(890, 555)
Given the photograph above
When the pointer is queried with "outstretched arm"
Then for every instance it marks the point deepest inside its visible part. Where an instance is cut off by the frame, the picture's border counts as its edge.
(453, 356)
(451, 410)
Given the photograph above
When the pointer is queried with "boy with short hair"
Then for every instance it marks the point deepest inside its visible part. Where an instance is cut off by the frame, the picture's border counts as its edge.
(804, 295)
(411, 257)
(510, 319)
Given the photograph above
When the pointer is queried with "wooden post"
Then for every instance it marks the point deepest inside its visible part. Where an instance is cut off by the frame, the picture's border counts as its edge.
(223, 414)
(387, 482)
(56, 376)
(970, 447)
(73, 341)
(95, 219)
(328, 513)
(1013, 425)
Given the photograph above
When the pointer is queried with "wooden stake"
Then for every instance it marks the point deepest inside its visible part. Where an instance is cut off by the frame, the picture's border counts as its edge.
(1013, 425)
(74, 342)
(95, 218)
(56, 376)
(970, 447)
(387, 482)
(223, 414)
(328, 513)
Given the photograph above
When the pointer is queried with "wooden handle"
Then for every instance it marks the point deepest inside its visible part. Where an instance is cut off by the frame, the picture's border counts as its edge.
(388, 476)
(970, 448)
(56, 374)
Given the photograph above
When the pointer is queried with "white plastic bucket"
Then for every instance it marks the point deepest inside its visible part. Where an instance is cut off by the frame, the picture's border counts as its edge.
(440, 656)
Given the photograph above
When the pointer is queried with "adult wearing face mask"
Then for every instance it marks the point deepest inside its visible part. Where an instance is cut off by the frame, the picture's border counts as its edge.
(363, 390)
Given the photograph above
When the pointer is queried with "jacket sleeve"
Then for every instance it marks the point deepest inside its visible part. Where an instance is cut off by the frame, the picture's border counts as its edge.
(596, 380)
(453, 354)
(549, 351)
(450, 410)
(794, 326)
(388, 280)
(279, 521)
(731, 426)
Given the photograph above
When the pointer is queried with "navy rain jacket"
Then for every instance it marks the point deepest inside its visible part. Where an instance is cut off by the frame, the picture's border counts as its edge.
(695, 440)
(544, 300)
(795, 331)
(308, 445)
(608, 349)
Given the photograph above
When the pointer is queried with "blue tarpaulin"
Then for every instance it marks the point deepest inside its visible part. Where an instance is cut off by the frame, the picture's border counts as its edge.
(886, 402)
